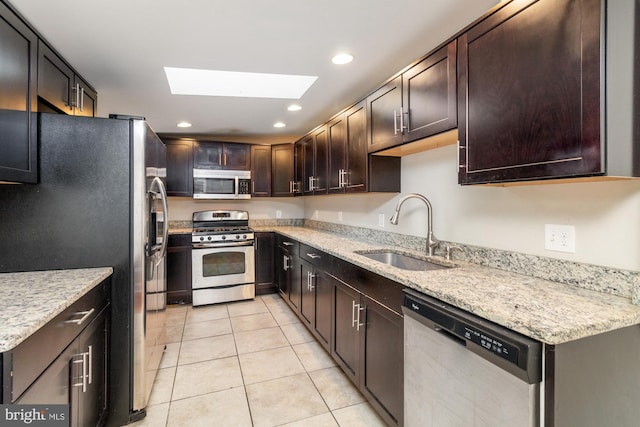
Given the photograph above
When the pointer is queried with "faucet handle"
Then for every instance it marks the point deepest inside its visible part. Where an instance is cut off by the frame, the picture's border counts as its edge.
(448, 249)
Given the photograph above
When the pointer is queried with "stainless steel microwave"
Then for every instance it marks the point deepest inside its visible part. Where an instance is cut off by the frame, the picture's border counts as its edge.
(221, 184)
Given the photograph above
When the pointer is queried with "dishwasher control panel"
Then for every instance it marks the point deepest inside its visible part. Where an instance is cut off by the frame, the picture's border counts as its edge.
(489, 343)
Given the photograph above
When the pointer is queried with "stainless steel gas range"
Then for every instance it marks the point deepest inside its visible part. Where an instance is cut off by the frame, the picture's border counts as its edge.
(223, 258)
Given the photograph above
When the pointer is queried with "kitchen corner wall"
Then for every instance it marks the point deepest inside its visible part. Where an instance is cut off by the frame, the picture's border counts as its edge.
(606, 215)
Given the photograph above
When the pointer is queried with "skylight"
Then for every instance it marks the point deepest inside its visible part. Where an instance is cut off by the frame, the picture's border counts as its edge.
(190, 81)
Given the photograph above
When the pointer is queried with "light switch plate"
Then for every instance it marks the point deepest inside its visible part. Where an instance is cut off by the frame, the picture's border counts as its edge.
(340, 216)
(381, 220)
(560, 238)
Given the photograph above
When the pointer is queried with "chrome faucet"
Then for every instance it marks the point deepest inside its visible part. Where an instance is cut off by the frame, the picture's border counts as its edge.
(432, 242)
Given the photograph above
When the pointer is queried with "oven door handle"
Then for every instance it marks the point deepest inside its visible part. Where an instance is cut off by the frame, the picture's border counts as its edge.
(221, 245)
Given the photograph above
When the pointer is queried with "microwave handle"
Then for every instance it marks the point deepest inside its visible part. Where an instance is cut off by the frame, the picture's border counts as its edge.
(237, 179)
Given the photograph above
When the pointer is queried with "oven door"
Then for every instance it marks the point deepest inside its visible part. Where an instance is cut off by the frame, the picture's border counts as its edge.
(222, 266)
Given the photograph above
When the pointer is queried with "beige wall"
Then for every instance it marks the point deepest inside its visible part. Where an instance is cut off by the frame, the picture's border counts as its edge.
(606, 215)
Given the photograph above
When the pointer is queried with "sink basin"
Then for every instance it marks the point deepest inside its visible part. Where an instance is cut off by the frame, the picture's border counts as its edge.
(403, 261)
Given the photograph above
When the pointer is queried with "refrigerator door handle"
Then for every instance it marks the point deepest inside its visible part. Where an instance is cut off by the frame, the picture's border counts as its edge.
(159, 255)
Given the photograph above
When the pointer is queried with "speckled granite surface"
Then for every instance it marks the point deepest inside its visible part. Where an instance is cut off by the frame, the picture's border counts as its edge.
(551, 312)
(622, 283)
(31, 299)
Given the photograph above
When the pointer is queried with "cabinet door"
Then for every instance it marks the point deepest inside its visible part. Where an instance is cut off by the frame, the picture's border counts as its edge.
(356, 135)
(337, 141)
(295, 281)
(308, 165)
(384, 116)
(280, 268)
(346, 337)
(18, 86)
(429, 95)
(52, 387)
(299, 184)
(87, 105)
(323, 285)
(383, 360)
(264, 247)
(179, 275)
(307, 293)
(208, 155)
(179, 167)
(55, 80)
(321, 158)
(261, 170)
(237, 157)
(92, 398)
(282, 170)
(529, 93)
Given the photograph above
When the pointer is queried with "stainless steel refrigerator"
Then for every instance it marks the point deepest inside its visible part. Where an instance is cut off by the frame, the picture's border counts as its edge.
(100, 201)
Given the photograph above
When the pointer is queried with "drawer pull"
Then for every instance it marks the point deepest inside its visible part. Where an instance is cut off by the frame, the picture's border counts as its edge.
(313, 256)
(287, 243)
(85, 316)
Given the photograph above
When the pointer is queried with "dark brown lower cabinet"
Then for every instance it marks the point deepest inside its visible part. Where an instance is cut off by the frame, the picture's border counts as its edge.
(78, 376)
(315, 302)
(354, 314)
(264, 247)
(346, 342)
(382, 377)
(368, 346)
(179, 269)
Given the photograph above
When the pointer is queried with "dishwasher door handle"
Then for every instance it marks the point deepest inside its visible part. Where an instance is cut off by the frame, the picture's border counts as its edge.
(442, 331)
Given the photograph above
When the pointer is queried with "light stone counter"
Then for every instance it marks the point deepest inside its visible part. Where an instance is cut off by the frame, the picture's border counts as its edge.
(551, 312)
(29, 300)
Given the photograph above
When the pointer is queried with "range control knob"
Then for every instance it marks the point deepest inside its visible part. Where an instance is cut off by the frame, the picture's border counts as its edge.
(244, 236)
(237, 236)
(201, 238)
(224, 237)
(209, 238)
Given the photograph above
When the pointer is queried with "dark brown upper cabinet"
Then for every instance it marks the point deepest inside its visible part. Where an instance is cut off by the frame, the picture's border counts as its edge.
(429, 102)
(420, 102)
(298, 159)
(529, 93)
(347, 135)
(60, 89)
(260, 170)
(384, 115)
(179, 167)
(221, 155)
(282, 170)
(18, 102)
(315, 153)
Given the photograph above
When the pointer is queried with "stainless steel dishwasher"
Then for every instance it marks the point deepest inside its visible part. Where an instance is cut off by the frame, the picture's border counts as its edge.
(461, 370)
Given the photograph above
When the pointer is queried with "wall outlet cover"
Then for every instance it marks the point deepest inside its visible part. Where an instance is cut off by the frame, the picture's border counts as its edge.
(560, 238)
(381, 220)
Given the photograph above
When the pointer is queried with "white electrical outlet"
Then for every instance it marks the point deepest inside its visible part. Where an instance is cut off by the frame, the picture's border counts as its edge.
(560, 238)
(315, 214)
(278, 214)
(380, 220)
(340, 216)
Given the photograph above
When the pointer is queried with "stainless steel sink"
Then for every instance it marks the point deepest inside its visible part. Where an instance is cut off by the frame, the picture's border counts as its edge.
(403, 261)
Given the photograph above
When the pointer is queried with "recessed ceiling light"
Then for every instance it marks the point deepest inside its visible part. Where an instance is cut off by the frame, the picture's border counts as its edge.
(279, 125)
(189, 81)
(294, 107)
(342, 58)
(184, 125)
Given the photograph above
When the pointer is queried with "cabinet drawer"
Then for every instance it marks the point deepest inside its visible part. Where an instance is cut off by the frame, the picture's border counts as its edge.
(31, 357)
(292, 247)
(315, 256)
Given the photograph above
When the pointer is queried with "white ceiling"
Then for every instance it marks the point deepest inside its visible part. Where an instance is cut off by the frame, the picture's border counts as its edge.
(121, 47)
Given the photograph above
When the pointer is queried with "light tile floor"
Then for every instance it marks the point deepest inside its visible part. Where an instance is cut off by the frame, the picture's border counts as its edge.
(250, 363)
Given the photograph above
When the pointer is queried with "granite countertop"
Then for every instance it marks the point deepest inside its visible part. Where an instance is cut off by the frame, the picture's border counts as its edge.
(31, 299)
(183, 230)
(551, 312)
